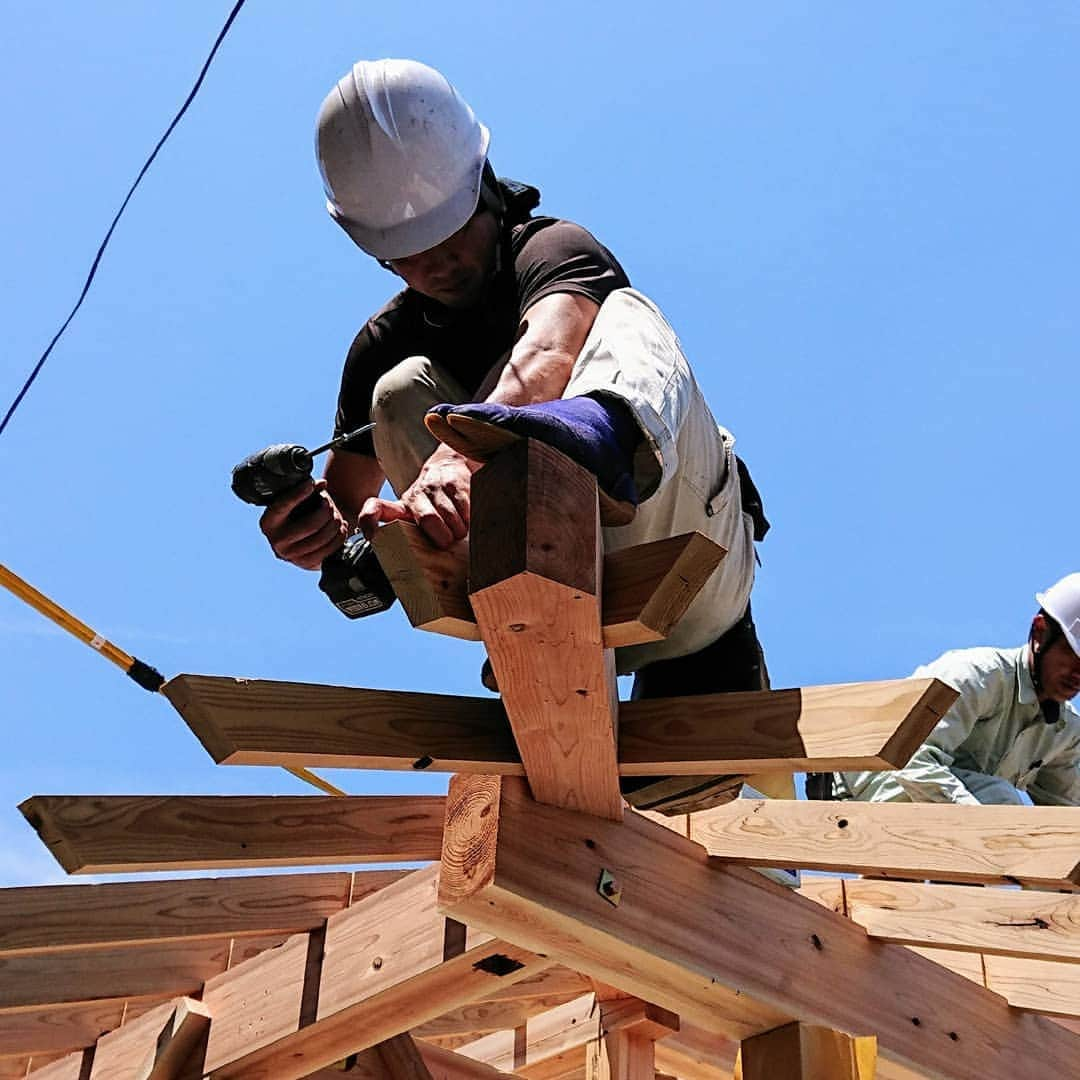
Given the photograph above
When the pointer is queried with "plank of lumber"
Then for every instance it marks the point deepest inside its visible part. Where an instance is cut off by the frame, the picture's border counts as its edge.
(447, 1065)
(156, 1046)
(1044, 986)
(106, 834)
(758, 958)
(86, 975)
(1033, 845)
(535, 579)
(259, 722)
(827, 891)
(57, 917)
(73, 1066)
(432, 584)
(869, 726)
(808, 1052)
(646, 588)
(692, 1053)
(385, 964)
(54, 1031)
(1004, 922)
(483, 1017)
(547, 1035)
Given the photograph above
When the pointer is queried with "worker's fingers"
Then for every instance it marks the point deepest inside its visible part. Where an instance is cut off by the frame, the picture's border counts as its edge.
(274, 516)
(376, 512)
(448, 509)
(309, 551)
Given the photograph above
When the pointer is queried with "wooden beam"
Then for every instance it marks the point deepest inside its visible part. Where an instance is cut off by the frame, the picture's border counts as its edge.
(56, 1031)
(1044, 986)
(156, 1046)
(760, 956)
(807, 1052)
(53, 918)
(383, 965)
(447, 1065)
(692, 1053)
(818, 729)
(258, 722)
(484, 1017)
(1005, 922)
(73, 1066)
(535, 581)
(432, 584)
(646, 588)
(1031, 845)
(86, 975)
(105, 834)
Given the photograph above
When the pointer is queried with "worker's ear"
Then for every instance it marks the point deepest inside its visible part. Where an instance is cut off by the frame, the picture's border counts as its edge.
(1039, 629)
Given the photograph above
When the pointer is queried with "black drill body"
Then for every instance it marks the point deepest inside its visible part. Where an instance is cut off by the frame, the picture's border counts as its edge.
(351, 577)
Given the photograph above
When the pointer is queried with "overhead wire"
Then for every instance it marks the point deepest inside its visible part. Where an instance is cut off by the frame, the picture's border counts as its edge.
(123, 206)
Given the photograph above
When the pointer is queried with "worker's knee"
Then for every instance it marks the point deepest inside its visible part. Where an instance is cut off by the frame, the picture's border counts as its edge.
(403, 391)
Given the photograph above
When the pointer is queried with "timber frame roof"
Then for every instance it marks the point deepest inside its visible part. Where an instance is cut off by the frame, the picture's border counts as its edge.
(552, 933)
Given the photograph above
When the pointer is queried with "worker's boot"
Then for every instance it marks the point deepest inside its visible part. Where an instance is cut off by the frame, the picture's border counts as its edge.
(734, 662)
(600, 434)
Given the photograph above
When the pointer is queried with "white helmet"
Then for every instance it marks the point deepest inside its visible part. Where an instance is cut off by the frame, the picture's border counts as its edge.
(401, 155)
(1062, 603)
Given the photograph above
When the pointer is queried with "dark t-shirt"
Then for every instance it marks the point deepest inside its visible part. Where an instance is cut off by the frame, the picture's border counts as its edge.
(548, 256)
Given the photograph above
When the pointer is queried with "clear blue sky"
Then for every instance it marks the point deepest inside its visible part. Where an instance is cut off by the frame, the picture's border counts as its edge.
(861, 221)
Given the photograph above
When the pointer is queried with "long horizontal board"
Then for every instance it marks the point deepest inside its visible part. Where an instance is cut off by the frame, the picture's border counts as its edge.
(105, 834)
(1004, 922)
(1033, 845)
(259, 722)
(870, 726)
(49, 918)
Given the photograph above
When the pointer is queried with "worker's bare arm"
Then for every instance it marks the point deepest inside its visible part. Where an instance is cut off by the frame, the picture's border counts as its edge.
(536, 369)
(351, 479)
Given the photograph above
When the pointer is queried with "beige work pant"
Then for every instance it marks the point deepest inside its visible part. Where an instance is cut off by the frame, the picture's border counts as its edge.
(684, 470)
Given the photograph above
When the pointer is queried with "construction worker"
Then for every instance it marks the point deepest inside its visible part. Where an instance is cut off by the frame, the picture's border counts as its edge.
(1012, 729)
(520, 323)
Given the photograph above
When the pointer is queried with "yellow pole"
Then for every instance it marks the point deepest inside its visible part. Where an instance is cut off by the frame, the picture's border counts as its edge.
(77, 628)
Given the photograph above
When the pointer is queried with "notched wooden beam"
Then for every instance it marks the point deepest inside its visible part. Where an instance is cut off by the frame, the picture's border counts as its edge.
(872, 726)
(262, 722)
(647, 588)
(109, 834)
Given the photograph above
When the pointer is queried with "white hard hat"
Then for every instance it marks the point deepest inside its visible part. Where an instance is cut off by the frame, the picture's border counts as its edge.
(1062, 603)
(401, 155)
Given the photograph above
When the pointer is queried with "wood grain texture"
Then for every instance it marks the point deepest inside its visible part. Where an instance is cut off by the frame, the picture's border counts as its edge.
(447, 1065)
(73, 1066)
(53, 918)
(1034, 845)
(647, 588)
(693, 1053)
(55, 1031)
(431, 583)
(1004, 922)
(807, 1052)
(87, 975)
(1044, 986)
(118, 833)
(386, 964)
(260, 722)
(724, 948)
(156, 1046)
(818, 728)
(535, 576)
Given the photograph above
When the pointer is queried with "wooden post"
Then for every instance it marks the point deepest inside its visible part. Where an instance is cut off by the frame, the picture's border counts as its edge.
(807, 1052)
(535, 585)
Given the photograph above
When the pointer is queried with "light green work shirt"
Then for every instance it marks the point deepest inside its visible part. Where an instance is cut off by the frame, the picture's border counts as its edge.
(994, 739)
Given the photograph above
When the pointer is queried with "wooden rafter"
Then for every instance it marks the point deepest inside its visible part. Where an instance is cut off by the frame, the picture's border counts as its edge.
(118, 833)
(683, 936)
(1039, 847)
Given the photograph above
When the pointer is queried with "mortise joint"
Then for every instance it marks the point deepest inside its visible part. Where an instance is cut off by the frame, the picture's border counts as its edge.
(424, 762)
(498, 964)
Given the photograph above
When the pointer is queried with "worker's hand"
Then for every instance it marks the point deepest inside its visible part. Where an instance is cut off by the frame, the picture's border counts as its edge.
(304, 543)
(438, 501)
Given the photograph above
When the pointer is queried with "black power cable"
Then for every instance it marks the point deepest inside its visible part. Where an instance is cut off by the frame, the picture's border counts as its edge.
(123, 206)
